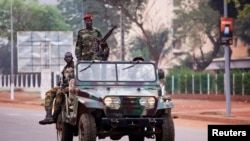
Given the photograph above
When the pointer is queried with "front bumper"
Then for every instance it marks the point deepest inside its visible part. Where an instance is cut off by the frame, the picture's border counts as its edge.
(132, 122)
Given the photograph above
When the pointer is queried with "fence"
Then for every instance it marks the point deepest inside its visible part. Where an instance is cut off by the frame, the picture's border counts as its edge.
(207, 84)
(26, 82)
(187, 84)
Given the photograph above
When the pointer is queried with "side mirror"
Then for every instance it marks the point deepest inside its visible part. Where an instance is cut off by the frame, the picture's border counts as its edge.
(161, 74)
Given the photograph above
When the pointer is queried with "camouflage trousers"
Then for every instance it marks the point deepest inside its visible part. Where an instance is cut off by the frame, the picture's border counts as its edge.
(57, 94)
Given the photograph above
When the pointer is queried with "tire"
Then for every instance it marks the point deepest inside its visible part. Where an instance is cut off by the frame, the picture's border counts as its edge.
(168, 131)
(87, 128)
(135, 138)
(59, 127)
(67, 132)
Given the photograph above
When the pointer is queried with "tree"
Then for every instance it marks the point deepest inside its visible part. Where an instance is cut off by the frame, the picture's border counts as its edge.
(158, 38)
(242, 29)
(239, 11)
(242, 22)
(27, 16)
(198, 28)
(133, 11)
(107, 12)
(104, 17)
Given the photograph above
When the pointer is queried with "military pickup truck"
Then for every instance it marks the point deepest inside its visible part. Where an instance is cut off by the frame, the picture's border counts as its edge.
(116, 99)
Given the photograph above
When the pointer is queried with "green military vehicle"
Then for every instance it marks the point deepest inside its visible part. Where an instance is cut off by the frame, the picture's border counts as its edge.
(116, 99)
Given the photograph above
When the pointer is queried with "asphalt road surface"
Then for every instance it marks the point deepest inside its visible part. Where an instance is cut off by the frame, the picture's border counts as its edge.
(22, 125)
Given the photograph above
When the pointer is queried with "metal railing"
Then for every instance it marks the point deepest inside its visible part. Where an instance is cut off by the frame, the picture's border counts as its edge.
(190, 84)
(26, 82)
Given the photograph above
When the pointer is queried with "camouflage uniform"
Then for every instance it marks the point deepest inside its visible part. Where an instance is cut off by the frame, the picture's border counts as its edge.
(68, 74)
(56, 93)
(49, 97)
(85, 43)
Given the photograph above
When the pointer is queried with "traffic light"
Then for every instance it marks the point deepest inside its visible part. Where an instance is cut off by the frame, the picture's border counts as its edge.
(226, 31)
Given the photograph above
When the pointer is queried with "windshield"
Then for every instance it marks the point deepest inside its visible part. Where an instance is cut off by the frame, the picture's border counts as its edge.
(116, 71)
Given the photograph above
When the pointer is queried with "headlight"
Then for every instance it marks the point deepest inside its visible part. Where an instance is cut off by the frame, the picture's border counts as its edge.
(107, 101)
(147, 101)
(143, 101)
(151, 101)
(112, 102)
(116, 100)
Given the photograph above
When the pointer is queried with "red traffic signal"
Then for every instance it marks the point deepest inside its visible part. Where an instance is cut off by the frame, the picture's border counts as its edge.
(226, 31)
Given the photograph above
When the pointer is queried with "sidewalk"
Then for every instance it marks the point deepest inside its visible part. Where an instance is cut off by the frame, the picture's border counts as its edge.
(211, 110)
(185, 108)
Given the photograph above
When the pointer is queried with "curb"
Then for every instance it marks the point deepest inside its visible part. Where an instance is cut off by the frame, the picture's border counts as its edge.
(214, 118)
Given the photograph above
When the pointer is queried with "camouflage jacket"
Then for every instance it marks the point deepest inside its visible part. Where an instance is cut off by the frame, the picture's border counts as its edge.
(68, 73)
(85, 42)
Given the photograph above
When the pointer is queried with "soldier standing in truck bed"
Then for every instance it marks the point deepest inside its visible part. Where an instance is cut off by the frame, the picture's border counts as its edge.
(88, 41)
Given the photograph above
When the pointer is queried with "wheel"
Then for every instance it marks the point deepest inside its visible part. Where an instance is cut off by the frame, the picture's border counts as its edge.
(67, 132)
(168, 131)
(87, 128)
(135, 138)
(59, 127)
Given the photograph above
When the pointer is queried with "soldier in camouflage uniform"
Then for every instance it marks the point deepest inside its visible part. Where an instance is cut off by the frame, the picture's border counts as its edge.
(88, 40)
(58, 91)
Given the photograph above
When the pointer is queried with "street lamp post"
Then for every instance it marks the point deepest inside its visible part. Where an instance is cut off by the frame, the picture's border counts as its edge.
(227, 72)
(12, 75)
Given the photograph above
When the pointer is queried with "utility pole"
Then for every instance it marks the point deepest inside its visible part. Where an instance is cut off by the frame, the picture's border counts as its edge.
(227, 72)
(12, 74)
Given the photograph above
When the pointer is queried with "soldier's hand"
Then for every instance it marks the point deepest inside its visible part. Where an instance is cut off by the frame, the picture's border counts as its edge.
(106, 51)
(105, 54)
(104, 44)
(96, 46)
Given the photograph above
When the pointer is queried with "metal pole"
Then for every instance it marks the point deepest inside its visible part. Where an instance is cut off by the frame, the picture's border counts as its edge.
(227, 72)
(11, 77)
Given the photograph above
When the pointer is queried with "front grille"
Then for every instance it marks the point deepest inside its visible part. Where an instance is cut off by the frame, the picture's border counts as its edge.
(131, 106)
(130, 102)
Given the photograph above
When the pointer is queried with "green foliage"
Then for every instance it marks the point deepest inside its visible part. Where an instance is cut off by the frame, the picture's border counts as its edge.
(199, 29)
(238, 83)
(139, 49)
(242, 29)
(220, 82)
(157, 39)
(197, 22)
(104, 17)
(30, 16)
(239, 11)
(246, 83)
(27, 16)
(187, 62)
(133, 11)
(189, 82)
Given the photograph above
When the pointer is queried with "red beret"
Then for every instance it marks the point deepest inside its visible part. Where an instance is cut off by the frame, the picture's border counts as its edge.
(88, 16)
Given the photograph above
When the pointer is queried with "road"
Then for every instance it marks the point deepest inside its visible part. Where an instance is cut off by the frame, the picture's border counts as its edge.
(22, 125)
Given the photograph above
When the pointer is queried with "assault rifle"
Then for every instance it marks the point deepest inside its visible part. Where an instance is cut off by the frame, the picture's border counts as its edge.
(100, 50)
(108, 34)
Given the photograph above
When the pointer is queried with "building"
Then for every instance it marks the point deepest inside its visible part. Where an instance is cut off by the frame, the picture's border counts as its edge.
(240, 58)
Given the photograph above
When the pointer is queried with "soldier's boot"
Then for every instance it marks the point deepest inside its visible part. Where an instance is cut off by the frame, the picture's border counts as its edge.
(48, 118)
(55, 114)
